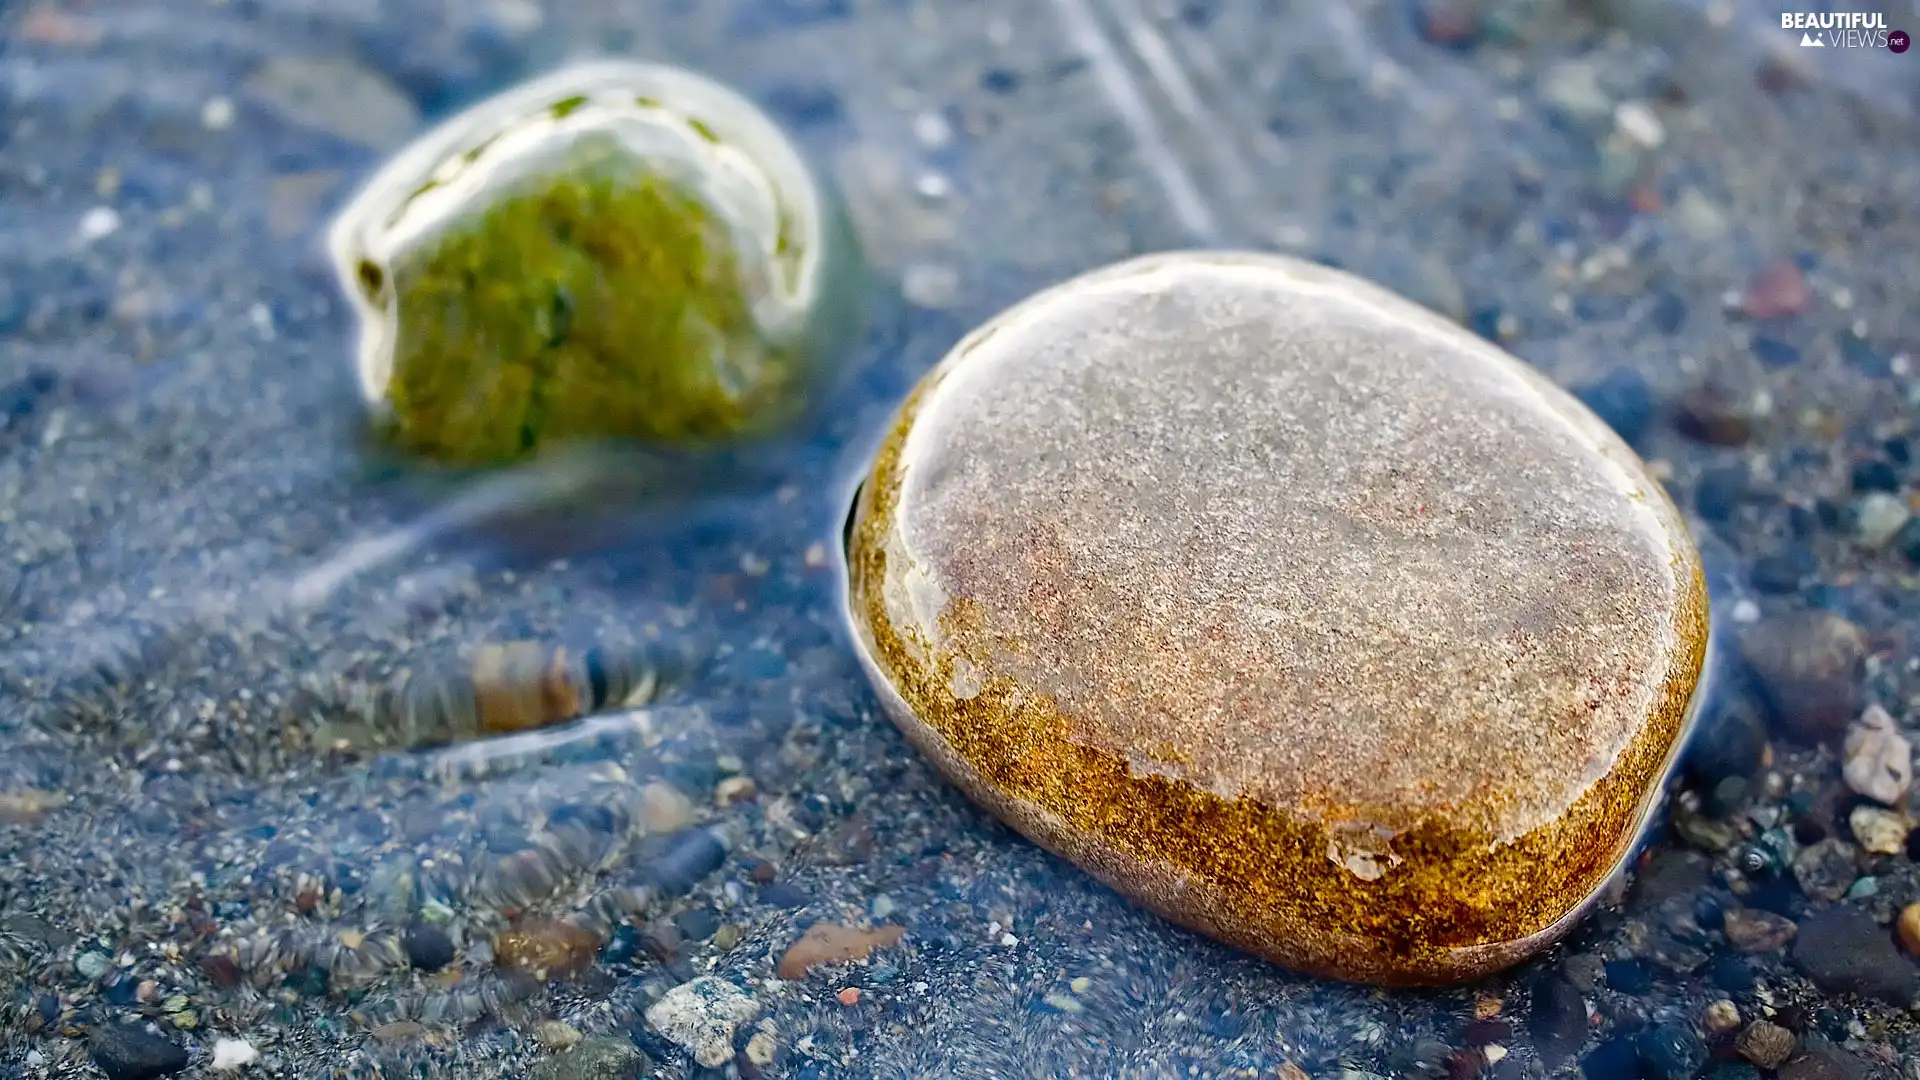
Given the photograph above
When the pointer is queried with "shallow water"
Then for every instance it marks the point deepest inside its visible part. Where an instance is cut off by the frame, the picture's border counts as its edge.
(206, 563)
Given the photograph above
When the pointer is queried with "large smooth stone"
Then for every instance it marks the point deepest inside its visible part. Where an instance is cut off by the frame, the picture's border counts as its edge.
(1283, 606)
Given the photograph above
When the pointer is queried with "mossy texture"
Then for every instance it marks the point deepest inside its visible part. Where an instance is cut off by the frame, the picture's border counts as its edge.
(589, 304)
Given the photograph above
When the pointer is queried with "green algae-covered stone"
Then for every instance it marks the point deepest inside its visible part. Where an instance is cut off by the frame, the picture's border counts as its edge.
(1285, 607)
(615, 250)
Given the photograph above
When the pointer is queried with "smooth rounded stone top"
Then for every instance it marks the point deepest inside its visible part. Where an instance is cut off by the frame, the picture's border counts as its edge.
(615, 249)
(1298, 614)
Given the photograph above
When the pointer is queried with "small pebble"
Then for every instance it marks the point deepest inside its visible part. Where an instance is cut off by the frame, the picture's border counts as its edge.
(1878, 518)
(701, 1016)
(1720, 1017)
(1753, 931)
(1876, 759)
(1670, 1052)
(130, 1052)
(99, 223)
(1557, 1018)
(1637, 121)
(1766, 1044)
(231, 1054)
(1778, 291)
(849, 996)
(602, 1057)
(762, 1048)
(1825, 870)
(1907, 929)
(556, 1034)
(428, 947)
(831, 943)
(1882, 832)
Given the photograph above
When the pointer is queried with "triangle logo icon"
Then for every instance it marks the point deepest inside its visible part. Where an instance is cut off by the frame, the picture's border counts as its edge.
(1807, 39)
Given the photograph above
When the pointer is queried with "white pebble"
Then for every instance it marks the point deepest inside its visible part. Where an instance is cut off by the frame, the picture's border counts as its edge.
(932, 129)
(231, 1054)
(98, 222)
(1879, 517)
(1637, 121)
(930, 285)
(1746, 611)
(217, 114)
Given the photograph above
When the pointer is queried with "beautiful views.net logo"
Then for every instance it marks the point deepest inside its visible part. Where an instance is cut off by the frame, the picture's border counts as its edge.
(1845, 30)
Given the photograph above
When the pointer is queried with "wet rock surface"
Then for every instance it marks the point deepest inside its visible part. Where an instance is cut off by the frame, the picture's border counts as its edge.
(1162, 564)
(199, 557)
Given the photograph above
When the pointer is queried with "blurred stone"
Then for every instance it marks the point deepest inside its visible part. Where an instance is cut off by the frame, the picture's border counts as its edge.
(1808, 663)
(338, 96)
(1224, 583)
(616, 250)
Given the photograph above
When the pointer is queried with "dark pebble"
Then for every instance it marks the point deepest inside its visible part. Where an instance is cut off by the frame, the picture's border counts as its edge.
(623, 947)
(1730, 973)
(1730, 743)
(804, 105)
(1775, 353)
(1861, 354)
(1670, 1052)
(1733, 1070)
(1674, 872)
(1483, 1032)
(1780, 575)
(126, 1052)
(428, 947)
(999, 80)
(1823, 1061)
(1844, 951)
(1719, 491)
(1615, 1059)
(1708, 913)
(689, 858)
(1629, 976)
(698, 924)
(21, 397)
(781, 894)
(1669, 314)
(1808, 664)
(1875, 476)
(1557, 1018)
(1899, 450)
(1709, 414)
(1620, 398)
(1907, 540)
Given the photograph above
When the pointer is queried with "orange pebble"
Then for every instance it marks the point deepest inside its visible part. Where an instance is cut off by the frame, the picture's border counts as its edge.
(849, 996)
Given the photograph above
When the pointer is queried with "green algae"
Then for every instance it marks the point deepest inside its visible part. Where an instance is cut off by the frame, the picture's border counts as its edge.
(595, 302)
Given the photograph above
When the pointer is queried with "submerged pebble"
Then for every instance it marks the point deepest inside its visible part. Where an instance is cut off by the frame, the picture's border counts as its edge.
(615, 250)
(1293, 611)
